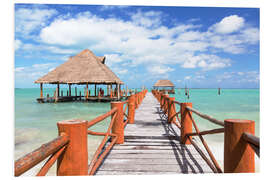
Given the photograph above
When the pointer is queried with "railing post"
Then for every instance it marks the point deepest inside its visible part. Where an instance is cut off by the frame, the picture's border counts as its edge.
(165, 106)
(238, 155)
(136, 101)
(186, 123)
(131, 109)
(171, 109)
(118, 125)
(74, 160)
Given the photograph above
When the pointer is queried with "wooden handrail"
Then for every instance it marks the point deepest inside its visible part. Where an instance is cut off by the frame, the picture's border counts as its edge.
(212, 131)
(43, 171)
(205, 145)
(33, 158)
(101, 117)
(95, 160)
(207, 117)
(253, 141)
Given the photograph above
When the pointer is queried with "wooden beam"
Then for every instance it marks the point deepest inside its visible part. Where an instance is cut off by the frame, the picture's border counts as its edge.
(69, 89)
(86, 90)
(95, 89)
(41, 90)
(58, 89)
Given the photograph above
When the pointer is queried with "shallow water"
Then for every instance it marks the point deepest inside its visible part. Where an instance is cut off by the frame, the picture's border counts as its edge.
(35, 123)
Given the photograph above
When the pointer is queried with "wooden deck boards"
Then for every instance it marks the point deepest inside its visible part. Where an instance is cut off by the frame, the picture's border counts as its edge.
(152, 147)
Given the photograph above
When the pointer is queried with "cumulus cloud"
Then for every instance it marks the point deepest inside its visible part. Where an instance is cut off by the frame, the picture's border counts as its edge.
(229, 24)
(17, 44)
(147, 19)
(159, 70)
(33, 72)
(143, 39)
(240, 77)
(27, 20)
(206, 62)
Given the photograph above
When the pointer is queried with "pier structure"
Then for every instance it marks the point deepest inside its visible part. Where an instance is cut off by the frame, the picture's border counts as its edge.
(165, 86)
(150, 133)
(85, 69)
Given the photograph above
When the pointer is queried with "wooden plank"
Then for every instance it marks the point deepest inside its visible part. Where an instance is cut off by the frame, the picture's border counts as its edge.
(152, 147)
(126, 172)
(184, 168)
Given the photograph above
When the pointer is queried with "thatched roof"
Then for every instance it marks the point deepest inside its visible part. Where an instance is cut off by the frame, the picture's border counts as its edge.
(83, 68)
(163, 83)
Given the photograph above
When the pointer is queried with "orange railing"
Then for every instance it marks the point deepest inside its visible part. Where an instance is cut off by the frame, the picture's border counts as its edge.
(54, 148)
(238, 141)
(70, 147)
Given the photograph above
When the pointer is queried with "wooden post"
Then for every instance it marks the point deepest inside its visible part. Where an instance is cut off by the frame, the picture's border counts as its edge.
(238, 155)
(118, 91)
(95, 90)
(171, 109)
(80, 95)
(108, 94)
(74, 160)
(186, 123)
(67, 92)
(58, 89)
(76, 91)
(131, 109)
(166, 96)
(118, 125)
(41, 90)
(69, 89)
(62, 94)
(56, 94)
(86, 90)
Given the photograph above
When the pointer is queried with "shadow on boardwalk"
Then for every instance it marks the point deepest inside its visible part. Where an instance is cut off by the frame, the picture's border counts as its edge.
(152, 147)
(181, 152)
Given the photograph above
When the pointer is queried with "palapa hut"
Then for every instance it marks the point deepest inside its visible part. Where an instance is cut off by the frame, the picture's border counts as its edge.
(82, 69)
(165, 85)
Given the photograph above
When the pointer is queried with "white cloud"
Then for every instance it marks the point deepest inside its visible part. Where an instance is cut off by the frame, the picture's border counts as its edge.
(206, 62)
(229, 24)
(240, 77)
(17, 44)
(112, 7)
(159, 69)
(147, 19)
(19, 69)
(187, 77)
(144, 42)
(33, 72)
(27, 20)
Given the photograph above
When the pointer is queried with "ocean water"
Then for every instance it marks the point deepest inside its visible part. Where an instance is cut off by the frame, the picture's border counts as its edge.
(35, 123)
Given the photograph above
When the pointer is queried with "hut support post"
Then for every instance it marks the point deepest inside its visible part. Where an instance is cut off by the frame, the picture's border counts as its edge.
(95, 90)
(118, 93)
(74, 160)
(76, 91)
(238, 155)
(58, 89)
(41, 90)
(108, 90)
(86, 90)
(69, 89)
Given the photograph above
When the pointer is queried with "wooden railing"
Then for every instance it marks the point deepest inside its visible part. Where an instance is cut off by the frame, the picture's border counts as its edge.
(239, 140)
(70, 147)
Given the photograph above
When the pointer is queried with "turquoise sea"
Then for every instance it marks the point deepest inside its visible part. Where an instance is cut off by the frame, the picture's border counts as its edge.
(35, 123)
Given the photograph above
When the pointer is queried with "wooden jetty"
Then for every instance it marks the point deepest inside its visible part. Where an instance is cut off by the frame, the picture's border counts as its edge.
(146, 135)
(152, 147)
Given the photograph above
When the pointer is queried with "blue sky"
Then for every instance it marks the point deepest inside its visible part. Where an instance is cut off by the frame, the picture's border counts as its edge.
(201, 47)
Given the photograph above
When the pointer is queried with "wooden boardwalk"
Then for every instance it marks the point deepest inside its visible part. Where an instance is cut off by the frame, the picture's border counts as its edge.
(152, 147)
